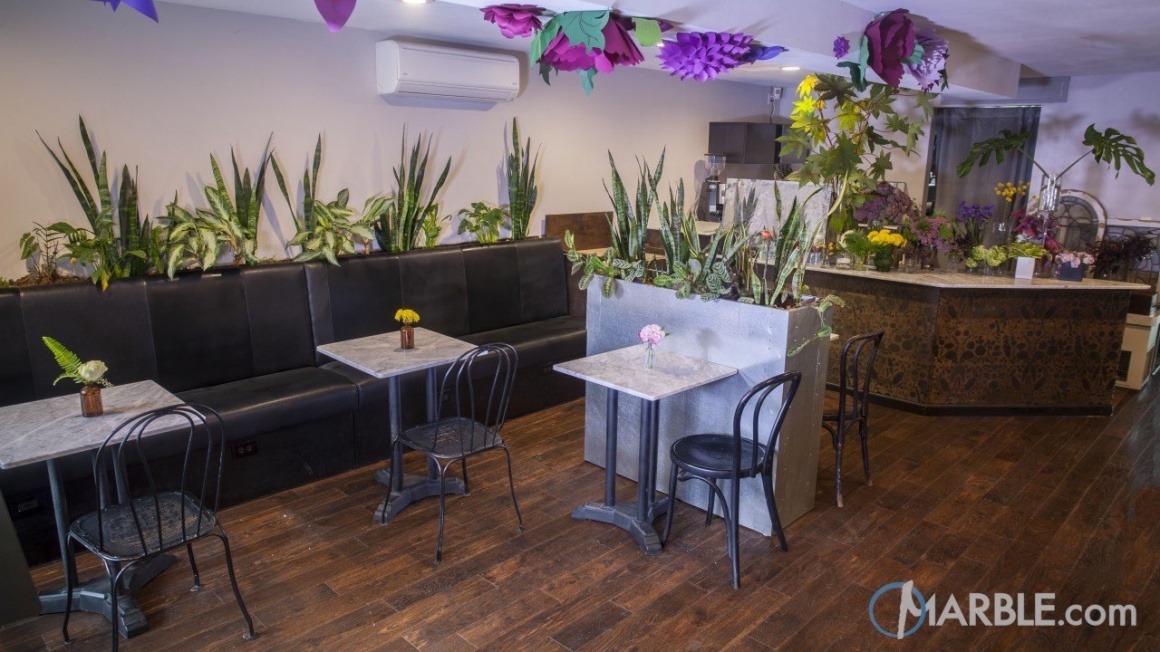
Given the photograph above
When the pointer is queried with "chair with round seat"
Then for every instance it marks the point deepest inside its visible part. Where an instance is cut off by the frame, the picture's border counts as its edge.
(711, 458)
(856, 369)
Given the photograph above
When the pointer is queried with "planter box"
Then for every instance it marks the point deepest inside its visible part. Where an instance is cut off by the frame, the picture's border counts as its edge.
(753, 339)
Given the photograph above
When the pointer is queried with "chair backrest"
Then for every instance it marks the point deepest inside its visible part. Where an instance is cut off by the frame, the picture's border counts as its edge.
(754, 401)
(476, 389)
(141, 470)
(857, 368)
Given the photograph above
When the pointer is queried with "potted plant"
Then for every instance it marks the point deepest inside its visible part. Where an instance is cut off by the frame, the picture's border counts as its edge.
(883, 244)
(89, 375)
(1073, 264)
(1116, 256)
(482, 221)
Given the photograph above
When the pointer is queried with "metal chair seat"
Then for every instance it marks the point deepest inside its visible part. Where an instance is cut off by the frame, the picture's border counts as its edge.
(451, 438)
(182, 519)
(711, 456)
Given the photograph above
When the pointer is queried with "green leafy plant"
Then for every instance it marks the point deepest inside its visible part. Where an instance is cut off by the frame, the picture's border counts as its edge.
(1108, 146)
(677, 228)
(482, 221)
(432, 229)
(114, 244)
(304, 218)
(521, 178)
(705, 272)
(89, 374)
(398, 224)
(189, 240)
(630, 227)
(848, 137)
(334, 233)
(42, 247)
(783, 256)
(236, 220)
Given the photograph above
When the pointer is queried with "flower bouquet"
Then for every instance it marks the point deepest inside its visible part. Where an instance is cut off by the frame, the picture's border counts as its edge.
(883, 243)
(1072, 264)
(988, 258)
(651, 335)
(89, 375)
(408, 318)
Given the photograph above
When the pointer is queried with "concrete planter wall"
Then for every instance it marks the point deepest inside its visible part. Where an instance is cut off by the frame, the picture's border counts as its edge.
(753, 339)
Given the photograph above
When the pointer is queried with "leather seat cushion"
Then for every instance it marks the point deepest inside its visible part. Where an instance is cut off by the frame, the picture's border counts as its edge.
(371, 390)
(252, 406)
(540, 342)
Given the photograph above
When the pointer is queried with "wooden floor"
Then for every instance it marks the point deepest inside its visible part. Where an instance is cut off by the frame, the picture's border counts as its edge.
(1067, 505)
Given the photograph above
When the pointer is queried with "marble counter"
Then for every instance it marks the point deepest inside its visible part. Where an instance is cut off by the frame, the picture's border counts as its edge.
(963, 281)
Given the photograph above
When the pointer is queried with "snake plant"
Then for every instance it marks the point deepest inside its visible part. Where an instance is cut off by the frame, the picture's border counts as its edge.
(304, 220)
(401, 218)
(521, 177)
(236, 220)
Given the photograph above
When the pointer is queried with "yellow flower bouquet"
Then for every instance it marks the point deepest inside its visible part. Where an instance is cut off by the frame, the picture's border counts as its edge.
(883, 243)
(408, 318)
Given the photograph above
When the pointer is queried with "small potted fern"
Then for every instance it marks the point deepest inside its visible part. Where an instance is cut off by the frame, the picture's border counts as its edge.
(89, 375)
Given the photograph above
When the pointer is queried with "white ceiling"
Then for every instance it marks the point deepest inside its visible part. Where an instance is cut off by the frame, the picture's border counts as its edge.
(1049, 37)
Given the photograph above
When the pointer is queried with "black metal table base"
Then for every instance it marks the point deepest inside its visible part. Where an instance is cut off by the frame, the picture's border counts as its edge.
(624, 516)
(93, 596)
(415, 488)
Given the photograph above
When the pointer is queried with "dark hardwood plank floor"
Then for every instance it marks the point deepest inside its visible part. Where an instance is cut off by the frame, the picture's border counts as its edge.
(996, 504)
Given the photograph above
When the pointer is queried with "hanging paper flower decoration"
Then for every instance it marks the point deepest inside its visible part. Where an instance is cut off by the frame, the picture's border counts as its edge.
(514, 20)
(890, 46)
(706, 55)
(144, 7)
(335, 12)
(931, 70)
(619, 50)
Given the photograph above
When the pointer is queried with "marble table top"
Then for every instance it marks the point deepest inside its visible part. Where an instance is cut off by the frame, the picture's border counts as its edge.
(382, 357)
(51, 428)
(978, 281)
(624, 370)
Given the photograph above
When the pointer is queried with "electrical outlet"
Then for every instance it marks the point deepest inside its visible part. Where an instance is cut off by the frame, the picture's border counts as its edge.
(246, 449)
(775, 93)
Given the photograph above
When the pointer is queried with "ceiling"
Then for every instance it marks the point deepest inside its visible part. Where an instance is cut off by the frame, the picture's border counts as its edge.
(1049, 37)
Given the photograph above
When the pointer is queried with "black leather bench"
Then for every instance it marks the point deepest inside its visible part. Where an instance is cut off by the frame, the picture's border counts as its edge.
(243, 342)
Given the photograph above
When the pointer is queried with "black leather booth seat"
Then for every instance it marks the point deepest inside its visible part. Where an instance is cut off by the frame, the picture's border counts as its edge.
(243, 342)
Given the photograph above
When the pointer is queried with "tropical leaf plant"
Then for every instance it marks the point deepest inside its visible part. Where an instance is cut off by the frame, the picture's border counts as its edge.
(304, 218)
(236, 219)
(629, 224)
(521, 178)
(432, 230)
(482, 221)
(678, 229)
(400, 220)
(190, 241)
(334, 233)
(1109, 146)
(115, 243)
(43, 247)
(705, 272)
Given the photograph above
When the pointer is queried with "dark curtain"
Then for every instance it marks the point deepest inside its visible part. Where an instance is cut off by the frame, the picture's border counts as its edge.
(953, 132)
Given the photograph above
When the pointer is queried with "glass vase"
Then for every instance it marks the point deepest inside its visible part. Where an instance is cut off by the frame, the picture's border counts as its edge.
(407, 337)
(884, 259)
(91, 405)
(1049, 194)
(648, 355)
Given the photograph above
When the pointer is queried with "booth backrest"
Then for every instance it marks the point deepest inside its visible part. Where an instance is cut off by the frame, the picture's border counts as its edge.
(278, 305)
(493, 287)
(355, 299)
(16, 385)
(543, 280)
(435, 285)
(109, 326)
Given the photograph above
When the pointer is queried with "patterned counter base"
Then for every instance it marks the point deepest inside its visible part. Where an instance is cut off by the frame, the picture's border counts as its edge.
(958, 350)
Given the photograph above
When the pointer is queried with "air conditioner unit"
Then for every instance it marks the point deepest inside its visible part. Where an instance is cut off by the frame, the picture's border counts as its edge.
(432, 71)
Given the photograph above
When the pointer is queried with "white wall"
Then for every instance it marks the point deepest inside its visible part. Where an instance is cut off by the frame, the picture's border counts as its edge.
(163, 97)
(1130, 103)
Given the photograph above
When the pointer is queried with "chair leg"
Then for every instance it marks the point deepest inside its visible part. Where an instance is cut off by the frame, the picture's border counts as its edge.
(864, 433)
(771, 502)
(249, 635)
(193, 566)
(466, 487)
(735, 531)
(709, 510)
(69, 565)
(511, 484)
(838, 466)
(672, 504)
(114, 572)
(442, 508)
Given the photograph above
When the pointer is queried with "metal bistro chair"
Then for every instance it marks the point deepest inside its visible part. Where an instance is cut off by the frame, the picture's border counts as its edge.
(146, 520)
(471, 422)
(712, 457)
(857, 367)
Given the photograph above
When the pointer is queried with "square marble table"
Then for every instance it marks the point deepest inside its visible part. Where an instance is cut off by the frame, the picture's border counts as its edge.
(623, 371)
(51, 429)
(382, 357)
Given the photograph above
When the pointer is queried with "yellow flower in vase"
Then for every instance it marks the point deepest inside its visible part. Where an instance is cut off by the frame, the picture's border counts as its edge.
(406, 316)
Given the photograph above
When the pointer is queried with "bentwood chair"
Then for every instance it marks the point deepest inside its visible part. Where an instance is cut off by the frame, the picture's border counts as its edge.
(474, 397)
(712, 457)
(158, 508)
(857, 367)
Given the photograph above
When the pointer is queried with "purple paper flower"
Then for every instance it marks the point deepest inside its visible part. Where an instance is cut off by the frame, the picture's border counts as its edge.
(619, 50)
(763, 52)
(514, 20)
(890, 39)
(144, 7)
(335, 12)
(929, 71)
(704, 55)
(841, 47)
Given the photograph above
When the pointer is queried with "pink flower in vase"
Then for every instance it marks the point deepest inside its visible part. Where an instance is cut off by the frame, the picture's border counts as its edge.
(652, 334)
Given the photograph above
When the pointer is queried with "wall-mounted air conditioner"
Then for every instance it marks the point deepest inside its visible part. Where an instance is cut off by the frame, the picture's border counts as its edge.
(439, 72)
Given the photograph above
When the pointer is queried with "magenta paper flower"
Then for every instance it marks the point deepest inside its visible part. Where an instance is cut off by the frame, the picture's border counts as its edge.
(335, 12)
(841, 47)
(890, 39)
(929, 70)
(619, 50)
(704, 55)
(514, 20)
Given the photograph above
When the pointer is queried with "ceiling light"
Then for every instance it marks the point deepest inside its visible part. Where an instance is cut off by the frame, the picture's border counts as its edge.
(416, 2)
(784, 68)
